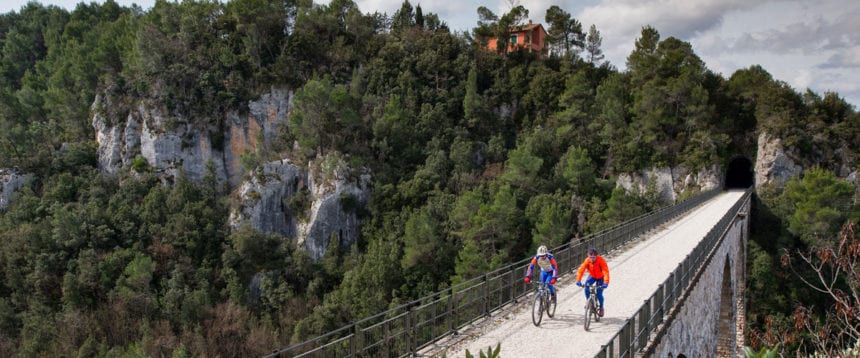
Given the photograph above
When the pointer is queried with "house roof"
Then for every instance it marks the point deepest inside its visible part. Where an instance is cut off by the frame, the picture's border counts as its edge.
(527, 27)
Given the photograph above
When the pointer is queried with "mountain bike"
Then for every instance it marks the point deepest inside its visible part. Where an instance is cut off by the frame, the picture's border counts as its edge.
(592, 305)
(543, 302)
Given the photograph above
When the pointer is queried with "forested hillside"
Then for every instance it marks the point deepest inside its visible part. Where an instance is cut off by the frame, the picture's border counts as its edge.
(476, 158)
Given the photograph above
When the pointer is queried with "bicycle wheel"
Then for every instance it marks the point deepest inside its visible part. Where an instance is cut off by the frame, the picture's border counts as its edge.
(587, 315)
(537, 309)
(550, 306)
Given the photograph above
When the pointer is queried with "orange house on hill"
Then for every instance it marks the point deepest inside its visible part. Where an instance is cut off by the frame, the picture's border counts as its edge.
(530, 37)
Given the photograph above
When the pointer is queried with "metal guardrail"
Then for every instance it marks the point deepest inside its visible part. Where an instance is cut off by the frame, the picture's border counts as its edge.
(404, 330)
(636, 334)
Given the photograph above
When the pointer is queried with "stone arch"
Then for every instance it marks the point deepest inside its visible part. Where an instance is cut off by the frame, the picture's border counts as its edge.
(726, 322)
(739, 174)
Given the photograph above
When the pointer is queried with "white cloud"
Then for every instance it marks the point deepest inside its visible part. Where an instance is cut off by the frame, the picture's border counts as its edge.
(845, 58)
(807, 36)
(797, 41)
(621, 21)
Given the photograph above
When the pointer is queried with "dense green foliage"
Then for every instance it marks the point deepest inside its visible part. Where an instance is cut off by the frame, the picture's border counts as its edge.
(477, 157)
(806, 215)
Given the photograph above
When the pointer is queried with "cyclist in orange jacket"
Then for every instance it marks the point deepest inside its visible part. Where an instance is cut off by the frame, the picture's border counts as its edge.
(597, 271)
(548, 269)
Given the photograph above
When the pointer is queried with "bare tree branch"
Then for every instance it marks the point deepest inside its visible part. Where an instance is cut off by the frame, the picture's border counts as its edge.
(838, 276)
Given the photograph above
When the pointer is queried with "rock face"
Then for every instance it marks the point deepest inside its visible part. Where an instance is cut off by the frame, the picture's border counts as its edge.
(670, 182)
(311, 206)
(243, 133)
(117, 143)
(333, 212)
(184, 147)
(10, 182)
(168, 142)
(772, 163)
(854, 179)
(265, 199)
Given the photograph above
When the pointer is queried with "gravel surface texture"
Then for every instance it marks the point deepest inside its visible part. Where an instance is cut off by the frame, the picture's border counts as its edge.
(635, 273)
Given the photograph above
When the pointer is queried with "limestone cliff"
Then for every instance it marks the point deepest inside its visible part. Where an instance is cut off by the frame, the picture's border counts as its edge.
(265, 198)
(773, 163)
(338, 196)
(311, 203)
(169, 141)
(670, 183)
(10, 182)
(258, 128)
(312, 206)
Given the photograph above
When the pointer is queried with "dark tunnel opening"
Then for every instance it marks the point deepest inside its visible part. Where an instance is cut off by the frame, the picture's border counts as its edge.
(739, 174)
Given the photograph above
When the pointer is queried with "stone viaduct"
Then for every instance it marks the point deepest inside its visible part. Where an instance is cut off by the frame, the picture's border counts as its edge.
(708, 320)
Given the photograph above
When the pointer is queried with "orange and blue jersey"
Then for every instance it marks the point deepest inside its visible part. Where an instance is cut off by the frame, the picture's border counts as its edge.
(548, 269)
(598, 271)
(546, 264)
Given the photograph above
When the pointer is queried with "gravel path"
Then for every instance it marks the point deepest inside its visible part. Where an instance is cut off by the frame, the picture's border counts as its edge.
(635, 273)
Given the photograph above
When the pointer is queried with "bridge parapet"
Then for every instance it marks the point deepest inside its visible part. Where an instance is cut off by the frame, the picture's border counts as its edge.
(709, 320)
(665, 326)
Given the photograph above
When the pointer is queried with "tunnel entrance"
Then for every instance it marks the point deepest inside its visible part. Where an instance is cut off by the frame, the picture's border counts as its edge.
(740, 174)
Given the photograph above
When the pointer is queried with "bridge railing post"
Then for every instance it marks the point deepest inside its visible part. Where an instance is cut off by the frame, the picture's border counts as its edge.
(644, 324)
(679, 280)
(360, 343)
(569, 259)
(485, 285)
(625, 345)
(452, 322)
(670, 292)
(353, 343)
(386, 345)
(512, 282)
(688, 271)
(408, 328)
(658, 307)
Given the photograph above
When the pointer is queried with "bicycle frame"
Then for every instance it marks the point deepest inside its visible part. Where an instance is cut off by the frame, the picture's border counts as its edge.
(591, 305)
(542, 303)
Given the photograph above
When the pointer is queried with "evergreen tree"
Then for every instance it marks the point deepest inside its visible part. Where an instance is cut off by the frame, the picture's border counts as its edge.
(565, 34)
(577, 171)
(642, 62)
(404, 18)
(419, 17)
(592, 45)
(325, 116)
(550, 215)
(817, 205)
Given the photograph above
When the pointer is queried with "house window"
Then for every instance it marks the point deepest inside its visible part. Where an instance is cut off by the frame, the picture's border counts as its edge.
(513, 39)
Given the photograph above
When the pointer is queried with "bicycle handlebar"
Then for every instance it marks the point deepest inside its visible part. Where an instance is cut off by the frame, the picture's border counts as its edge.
(593, 284)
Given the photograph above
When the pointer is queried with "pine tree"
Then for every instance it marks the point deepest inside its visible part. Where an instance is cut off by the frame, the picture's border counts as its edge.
(592, 45)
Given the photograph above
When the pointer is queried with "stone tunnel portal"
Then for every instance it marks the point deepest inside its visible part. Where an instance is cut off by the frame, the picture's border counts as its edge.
(739, 174)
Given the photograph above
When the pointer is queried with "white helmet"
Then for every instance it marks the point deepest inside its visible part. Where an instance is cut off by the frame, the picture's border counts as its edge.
(541, 250)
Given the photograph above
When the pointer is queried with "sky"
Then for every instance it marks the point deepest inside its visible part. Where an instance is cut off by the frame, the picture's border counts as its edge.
(809, 44)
